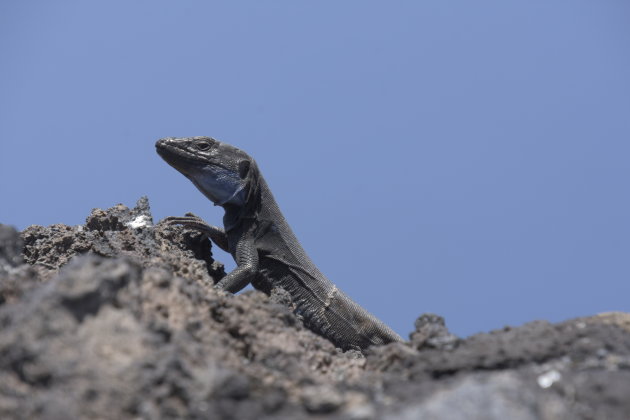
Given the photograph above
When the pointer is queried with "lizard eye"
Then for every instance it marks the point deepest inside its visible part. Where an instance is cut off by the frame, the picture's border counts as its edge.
(203, 146)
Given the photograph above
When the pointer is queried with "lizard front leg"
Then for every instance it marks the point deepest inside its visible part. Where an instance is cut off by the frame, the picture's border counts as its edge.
(246, 256)
(215, 233)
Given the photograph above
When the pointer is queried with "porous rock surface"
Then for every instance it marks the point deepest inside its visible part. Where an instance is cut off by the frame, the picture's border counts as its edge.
(118, 319)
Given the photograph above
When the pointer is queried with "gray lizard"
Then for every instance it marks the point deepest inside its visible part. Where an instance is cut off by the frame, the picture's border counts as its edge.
(266, 251)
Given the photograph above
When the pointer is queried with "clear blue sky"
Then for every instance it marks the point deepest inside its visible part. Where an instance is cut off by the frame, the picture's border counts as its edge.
(470, 159)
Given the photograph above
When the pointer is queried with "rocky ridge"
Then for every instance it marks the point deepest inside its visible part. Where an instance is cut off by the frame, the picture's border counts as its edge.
(117, 319)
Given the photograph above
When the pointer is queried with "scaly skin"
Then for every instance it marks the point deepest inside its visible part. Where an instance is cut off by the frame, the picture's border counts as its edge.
(266, 251)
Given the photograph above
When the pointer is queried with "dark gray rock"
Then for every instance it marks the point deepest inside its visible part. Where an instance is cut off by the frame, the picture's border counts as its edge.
(431, 333)
(15, 276)
(489, 396)
(118, 319)
(10, 247)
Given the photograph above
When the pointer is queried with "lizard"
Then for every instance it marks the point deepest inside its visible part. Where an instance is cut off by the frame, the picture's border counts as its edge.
(265, 249)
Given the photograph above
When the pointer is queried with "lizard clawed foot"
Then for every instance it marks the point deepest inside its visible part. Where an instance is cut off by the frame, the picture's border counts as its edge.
(189, 220)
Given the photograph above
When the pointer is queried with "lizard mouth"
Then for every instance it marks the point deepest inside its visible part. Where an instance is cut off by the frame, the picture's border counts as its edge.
(180, 158)
(177, 156)
(217, 182)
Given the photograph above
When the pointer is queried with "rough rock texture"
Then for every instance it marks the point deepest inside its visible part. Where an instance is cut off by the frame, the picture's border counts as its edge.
(117, 319)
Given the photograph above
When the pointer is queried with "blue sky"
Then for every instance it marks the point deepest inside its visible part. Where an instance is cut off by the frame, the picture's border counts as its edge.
(464, 158)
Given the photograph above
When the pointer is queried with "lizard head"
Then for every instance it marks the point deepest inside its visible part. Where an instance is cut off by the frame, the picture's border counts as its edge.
(218, 170)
